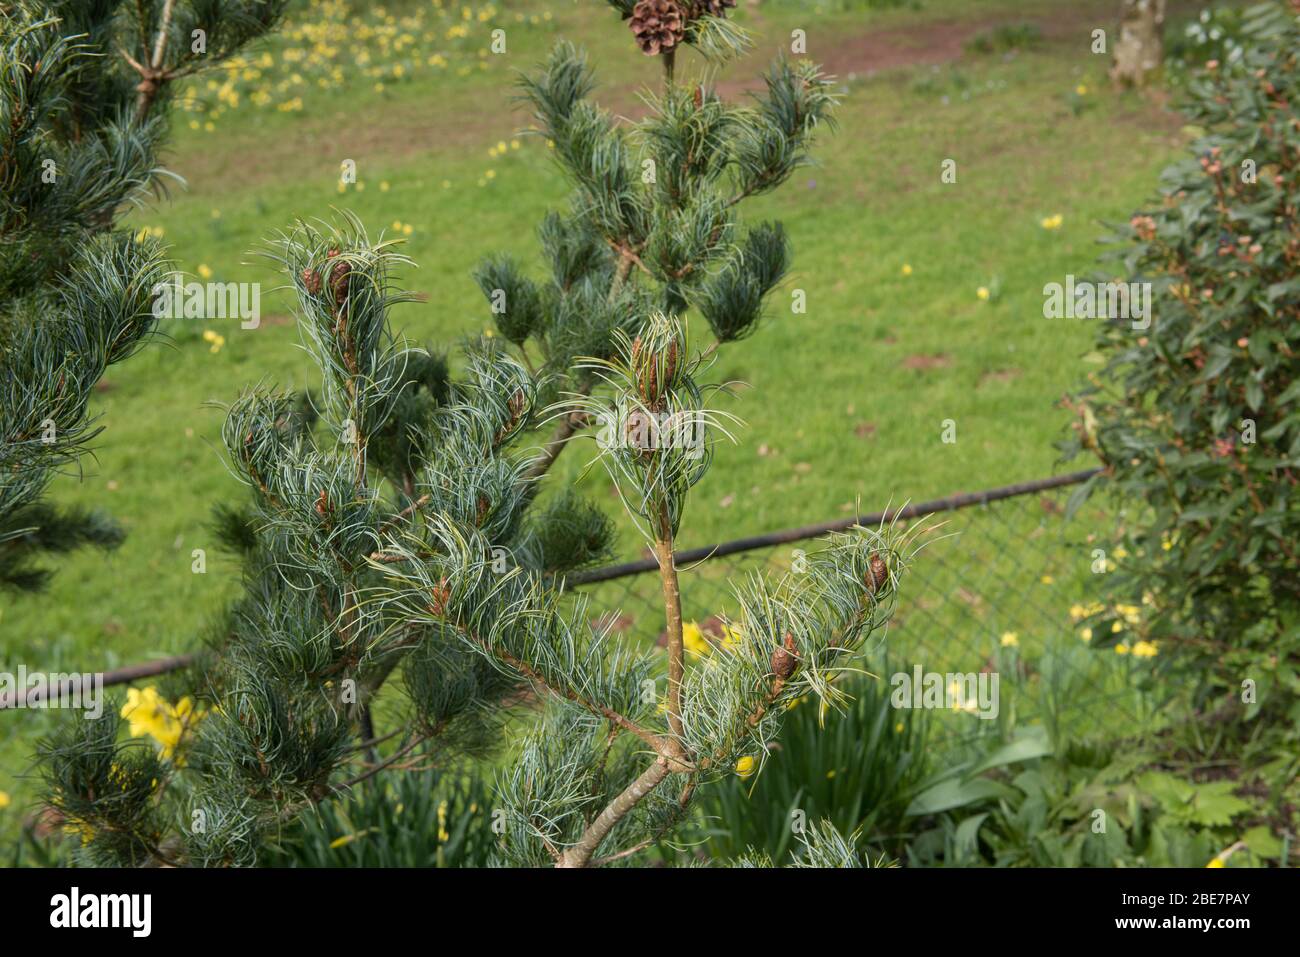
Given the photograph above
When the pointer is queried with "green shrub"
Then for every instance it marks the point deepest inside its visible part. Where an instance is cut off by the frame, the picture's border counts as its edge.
(1197, 418)
(1215, 34)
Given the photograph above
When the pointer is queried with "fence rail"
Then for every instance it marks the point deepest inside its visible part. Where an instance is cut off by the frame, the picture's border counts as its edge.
(805, 532)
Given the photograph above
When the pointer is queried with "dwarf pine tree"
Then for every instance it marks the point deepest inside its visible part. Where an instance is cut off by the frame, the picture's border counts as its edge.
(395, 538)
(81, 90)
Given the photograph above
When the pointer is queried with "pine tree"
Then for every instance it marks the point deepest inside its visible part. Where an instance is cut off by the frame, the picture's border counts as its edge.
(395, 528)
(82, 90)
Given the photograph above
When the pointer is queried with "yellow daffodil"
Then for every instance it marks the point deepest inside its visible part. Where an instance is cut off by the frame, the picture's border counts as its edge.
(214, 339)
(982, 293)
(745, 766)
(4, 800)
(148, 713)
(1145, 649)
(907, 269)
(1121, 649)
(693, 639)
(1130, 613)
(1010, 639)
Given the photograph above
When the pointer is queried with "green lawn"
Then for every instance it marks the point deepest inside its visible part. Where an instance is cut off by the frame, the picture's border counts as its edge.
(846, 402)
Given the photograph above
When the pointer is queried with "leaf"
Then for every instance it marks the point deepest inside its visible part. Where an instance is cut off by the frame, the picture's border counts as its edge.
(967, 837)
(1262, 842)
(1029, 743)
(954, 793)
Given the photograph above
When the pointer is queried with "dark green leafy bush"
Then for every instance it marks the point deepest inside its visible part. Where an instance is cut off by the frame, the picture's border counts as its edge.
(1197, 418)
(1214, 34)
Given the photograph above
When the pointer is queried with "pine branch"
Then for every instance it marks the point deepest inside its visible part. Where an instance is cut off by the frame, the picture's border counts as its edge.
(580, 854)
(673, 614)
(152, 77)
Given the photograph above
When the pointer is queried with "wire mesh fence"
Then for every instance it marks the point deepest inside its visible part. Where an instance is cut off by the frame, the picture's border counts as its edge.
(1001, 590)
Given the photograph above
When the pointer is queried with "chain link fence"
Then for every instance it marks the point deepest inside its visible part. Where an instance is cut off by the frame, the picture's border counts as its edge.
(1001, 588)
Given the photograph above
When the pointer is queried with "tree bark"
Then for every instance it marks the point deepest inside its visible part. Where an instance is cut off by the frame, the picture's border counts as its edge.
(1140, 47)
(580, 854)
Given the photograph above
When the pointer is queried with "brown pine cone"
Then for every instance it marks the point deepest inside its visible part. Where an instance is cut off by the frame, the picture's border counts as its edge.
(658, 25)
(339, 280)
(713, 8)
(785, 660)
(311, 279)
(878, 574)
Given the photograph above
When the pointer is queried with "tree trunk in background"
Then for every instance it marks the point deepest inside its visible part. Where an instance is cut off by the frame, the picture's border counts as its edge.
(1140, 46)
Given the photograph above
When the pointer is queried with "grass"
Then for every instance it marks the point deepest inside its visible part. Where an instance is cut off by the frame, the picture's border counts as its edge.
(846, 402)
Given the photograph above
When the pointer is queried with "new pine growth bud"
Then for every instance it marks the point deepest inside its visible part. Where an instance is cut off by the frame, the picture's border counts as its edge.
(638, 433)
(515, 409)
(655, 374)
(439, 597)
